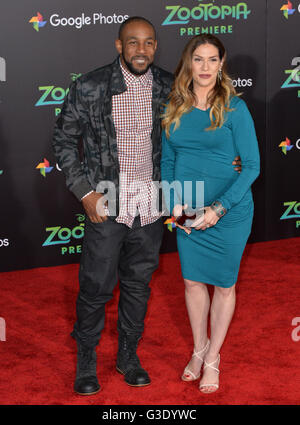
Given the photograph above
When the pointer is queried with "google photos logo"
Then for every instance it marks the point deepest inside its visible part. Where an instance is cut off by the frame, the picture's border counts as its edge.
(44, 167)
(170, 223)
(287, 9)
(37, 22)
(285, 145)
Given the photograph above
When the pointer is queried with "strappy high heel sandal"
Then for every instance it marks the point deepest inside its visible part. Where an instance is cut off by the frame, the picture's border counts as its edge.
(188, 375)
(216, 369)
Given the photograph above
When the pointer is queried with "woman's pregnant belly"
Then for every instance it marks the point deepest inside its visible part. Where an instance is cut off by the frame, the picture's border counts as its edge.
(199, 174)
(203, 180)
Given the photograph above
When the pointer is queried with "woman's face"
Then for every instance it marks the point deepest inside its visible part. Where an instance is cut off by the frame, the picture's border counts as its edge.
(205, 65)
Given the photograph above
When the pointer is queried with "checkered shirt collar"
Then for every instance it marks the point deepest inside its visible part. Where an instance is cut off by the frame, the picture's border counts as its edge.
(145, 79)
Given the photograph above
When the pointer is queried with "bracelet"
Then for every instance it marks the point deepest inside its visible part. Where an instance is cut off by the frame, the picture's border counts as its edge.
(218, 208)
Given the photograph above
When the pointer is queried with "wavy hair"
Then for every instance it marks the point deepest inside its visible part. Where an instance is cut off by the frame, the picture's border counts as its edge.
(182, 97)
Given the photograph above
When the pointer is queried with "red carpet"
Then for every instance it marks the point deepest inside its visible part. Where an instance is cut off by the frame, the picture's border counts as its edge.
(259, 361)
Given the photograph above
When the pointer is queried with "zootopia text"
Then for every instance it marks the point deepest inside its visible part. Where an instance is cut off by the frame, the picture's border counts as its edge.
(183, 15)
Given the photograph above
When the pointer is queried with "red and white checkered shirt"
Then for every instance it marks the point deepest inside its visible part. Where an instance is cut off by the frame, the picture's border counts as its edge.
(132, 117)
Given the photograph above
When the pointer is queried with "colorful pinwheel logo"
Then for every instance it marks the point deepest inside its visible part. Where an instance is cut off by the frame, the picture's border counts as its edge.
(170, 223)
(285, 145)
(44, 167)
(287, 9)
(37, 21)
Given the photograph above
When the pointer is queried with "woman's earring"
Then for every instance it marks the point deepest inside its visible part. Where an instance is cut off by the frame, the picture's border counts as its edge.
(220, 76)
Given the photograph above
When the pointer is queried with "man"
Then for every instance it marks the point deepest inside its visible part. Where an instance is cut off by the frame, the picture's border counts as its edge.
(116, 111)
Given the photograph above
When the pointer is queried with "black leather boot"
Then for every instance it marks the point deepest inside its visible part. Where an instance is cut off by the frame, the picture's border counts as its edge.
(86, 382)
(128, 362)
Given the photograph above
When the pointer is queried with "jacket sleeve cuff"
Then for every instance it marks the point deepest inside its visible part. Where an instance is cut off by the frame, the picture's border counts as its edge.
(81, 189)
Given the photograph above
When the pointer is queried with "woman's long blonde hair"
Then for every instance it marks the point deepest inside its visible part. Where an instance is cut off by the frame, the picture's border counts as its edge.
(182, 97)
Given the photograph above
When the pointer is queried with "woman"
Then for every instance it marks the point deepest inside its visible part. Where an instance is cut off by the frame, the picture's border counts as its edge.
(205, 125)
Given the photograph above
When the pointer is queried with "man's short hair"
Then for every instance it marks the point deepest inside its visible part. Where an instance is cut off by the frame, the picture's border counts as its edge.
(134, 19)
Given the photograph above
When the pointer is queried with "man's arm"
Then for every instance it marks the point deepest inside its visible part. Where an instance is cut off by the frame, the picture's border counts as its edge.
(68, 131)
(67, 134)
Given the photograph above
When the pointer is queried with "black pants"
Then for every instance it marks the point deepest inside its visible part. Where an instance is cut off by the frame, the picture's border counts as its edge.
(112, 251)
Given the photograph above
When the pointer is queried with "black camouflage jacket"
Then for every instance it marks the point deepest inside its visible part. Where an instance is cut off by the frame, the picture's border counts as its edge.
(86, 114)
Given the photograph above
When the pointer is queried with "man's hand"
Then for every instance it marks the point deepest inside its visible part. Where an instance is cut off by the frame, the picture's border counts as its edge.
(177, 212)
(94, 207)
(237, 161)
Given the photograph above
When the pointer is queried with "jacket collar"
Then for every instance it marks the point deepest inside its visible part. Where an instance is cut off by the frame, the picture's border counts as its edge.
(117, 83)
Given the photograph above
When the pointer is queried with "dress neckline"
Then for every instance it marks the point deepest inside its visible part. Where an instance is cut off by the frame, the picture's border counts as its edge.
(202, 110)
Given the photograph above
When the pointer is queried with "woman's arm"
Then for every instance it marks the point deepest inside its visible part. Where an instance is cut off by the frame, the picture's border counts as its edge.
(245, 140)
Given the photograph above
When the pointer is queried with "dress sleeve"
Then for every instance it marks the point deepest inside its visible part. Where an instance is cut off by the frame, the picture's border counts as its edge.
(245, 140)
(171, 188)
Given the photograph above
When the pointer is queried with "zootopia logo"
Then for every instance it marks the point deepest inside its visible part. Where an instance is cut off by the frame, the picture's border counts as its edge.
(183, 15)
(292, 211)
(52, 95)
(59, 235)
(293, 79)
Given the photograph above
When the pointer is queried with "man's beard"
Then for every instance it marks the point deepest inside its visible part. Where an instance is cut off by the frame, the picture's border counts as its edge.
(134, 70)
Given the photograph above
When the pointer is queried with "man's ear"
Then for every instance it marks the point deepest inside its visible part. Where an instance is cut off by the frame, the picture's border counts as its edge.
(118, 44)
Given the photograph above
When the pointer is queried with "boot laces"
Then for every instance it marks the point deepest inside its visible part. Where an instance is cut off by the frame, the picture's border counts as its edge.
(86, 358)
(131, 350)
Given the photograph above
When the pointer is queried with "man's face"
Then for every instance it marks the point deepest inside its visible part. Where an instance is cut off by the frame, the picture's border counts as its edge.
(137, 47)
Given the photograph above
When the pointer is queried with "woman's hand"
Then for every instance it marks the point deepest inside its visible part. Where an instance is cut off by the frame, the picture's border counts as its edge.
(209, 219)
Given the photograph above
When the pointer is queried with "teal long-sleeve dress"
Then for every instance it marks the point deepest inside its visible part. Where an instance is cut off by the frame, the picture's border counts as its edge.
(193, 154)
